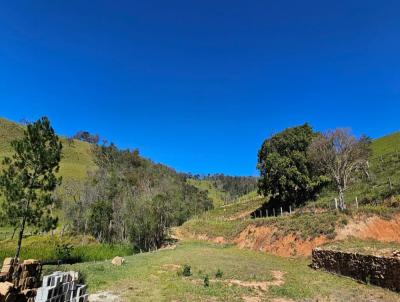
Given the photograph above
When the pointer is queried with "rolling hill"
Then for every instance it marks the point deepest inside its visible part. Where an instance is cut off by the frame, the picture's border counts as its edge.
(76, 160)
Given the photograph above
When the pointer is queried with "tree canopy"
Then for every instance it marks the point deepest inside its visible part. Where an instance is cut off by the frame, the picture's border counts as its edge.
(286, 173)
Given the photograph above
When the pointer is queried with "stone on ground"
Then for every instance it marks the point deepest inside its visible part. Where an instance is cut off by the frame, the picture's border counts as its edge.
(118, 261)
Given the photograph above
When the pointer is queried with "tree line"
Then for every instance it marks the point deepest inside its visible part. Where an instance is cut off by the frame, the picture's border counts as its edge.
(129, 198)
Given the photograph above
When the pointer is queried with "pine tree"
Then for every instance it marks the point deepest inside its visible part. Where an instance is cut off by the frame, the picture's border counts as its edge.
(29, 178)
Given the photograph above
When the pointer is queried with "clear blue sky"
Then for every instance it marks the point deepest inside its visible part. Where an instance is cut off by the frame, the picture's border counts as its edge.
(198, 85)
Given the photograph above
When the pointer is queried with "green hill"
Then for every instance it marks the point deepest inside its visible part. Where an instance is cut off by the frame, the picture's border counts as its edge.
(76, 161)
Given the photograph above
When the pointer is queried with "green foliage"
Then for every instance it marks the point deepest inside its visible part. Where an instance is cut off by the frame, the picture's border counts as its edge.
(219, 274)
(82, 276)
(286, 172)
(63, 251)
(29, 178)
(44, 247)
(186, 271)
(206, 281)
(99, 220)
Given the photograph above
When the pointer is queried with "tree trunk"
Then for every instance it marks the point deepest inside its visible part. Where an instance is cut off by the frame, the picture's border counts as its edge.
(341, 199)
(13, 234)
(20, 235)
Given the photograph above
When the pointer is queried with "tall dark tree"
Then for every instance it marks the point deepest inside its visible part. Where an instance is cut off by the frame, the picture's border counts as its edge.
(29, 178)
(286, 174)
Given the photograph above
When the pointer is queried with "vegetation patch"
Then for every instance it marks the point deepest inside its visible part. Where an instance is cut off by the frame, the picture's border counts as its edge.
(76, 248)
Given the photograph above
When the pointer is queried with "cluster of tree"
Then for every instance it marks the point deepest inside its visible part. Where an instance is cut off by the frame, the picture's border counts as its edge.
(129, 198)
(233, 186)
(86, 136)
(297, 163)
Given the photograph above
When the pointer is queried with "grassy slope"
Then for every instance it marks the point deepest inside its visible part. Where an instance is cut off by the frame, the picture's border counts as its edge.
(151, 277)
(216, 196)
(76, 159)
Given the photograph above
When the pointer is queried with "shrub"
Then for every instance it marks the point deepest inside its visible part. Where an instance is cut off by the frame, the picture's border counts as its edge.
(63, 251)
(206, 281)
(186, 271)
(218, 274)
(81, 277)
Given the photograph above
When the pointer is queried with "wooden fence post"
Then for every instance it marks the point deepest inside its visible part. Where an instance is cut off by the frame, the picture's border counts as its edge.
(356, 202)
(336, 205)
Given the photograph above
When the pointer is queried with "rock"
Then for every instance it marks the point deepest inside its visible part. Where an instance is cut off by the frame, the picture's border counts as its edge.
(118, 261)
(396, 254)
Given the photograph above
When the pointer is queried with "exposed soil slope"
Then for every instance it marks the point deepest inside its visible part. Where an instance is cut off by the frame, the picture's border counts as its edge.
(267, 239)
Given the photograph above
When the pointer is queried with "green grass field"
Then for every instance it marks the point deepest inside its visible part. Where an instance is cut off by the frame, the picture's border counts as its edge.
(154, 277)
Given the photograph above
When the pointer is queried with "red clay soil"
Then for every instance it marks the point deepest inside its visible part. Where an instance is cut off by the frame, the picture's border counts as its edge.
(372, 228)
(263, 238)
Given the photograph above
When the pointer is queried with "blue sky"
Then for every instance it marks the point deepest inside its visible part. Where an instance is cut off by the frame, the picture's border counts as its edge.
(198, 85)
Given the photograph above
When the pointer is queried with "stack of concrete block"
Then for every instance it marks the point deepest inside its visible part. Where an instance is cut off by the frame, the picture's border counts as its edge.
(61, 287)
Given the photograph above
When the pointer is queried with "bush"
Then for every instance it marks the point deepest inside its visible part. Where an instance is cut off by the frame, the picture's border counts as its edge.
(81, 277)
(218, 274)
(186, 271)
(206, 281)
(63, 251)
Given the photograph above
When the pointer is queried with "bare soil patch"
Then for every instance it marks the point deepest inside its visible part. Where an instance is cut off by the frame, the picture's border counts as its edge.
(104, 297)
(372, 228)
(263, 238)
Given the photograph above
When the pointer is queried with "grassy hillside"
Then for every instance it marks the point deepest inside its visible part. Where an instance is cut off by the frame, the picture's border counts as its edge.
(76, 161)
(218, 197)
